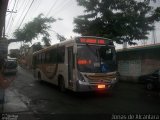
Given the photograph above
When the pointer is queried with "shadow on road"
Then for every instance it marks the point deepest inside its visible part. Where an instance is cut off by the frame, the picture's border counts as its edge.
(78, 95)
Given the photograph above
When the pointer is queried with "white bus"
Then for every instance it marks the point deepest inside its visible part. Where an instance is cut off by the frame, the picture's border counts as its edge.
(82, 64)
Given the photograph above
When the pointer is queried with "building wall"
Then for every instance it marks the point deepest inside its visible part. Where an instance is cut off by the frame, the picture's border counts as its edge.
(129, 69)
(136, 62)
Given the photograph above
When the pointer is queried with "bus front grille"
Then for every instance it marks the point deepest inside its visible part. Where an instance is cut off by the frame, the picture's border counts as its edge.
(101, 78)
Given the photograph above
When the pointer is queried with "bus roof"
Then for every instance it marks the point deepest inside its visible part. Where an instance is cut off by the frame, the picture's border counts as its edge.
(72, 40)
(94, 37)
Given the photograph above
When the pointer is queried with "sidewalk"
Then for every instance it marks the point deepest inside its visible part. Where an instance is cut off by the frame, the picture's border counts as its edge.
(25, 68)
(14, 101)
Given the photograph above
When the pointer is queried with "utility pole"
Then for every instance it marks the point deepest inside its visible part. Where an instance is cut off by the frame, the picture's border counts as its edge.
(3, 9)
(3, 40)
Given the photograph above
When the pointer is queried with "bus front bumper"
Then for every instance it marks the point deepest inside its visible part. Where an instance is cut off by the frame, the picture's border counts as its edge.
(83, 87)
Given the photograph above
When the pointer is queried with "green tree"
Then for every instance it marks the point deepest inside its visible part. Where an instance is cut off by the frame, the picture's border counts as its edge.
(60, 37)
(37, 46)
(14, 53)
(120, 20)
(38, 26)
(46, 40)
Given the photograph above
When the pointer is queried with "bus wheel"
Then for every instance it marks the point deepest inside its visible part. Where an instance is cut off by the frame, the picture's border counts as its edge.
(62, 85)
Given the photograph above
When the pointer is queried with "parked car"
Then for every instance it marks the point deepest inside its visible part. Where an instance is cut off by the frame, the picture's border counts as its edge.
(9, 66)
(151, 81)
(142, 78)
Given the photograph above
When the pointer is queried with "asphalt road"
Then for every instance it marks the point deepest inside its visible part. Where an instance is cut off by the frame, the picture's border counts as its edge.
(33, 97)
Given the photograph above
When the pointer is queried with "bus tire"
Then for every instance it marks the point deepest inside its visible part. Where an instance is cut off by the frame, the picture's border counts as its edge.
(61, 84)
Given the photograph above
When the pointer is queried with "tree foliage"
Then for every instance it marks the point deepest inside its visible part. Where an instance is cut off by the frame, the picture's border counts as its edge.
(14, 53)
(120, 20)
(31, 30)
(37, 46)
(60, 37)
(46, 41)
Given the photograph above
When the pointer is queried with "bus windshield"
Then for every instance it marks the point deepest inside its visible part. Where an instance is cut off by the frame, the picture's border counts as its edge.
(96, 59)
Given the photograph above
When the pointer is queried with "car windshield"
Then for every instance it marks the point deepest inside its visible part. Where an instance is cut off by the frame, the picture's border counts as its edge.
(96, 59)
(10, 64)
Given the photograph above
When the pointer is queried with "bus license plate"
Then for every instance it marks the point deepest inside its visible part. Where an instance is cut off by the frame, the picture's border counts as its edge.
(101, 86)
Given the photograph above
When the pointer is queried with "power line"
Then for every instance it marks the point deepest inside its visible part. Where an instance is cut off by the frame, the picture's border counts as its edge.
(57, 7)
(13, 18)
(53, 5)
(63, 7)
(26, 14)
(18, 6)
(11, 15)
(17, 3)
(34, 7)
(39, 2)
(23, 5)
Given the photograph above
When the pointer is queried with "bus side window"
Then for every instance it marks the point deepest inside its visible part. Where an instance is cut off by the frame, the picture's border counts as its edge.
(33, 61)
(53, 56)
(47, 58)
(39, 58)
(43, 57)
(61, 55)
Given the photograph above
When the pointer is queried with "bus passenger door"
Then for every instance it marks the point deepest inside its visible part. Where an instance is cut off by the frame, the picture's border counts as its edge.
(70, 66)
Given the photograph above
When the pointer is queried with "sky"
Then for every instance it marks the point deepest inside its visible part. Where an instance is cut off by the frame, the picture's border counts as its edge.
(65, 9)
